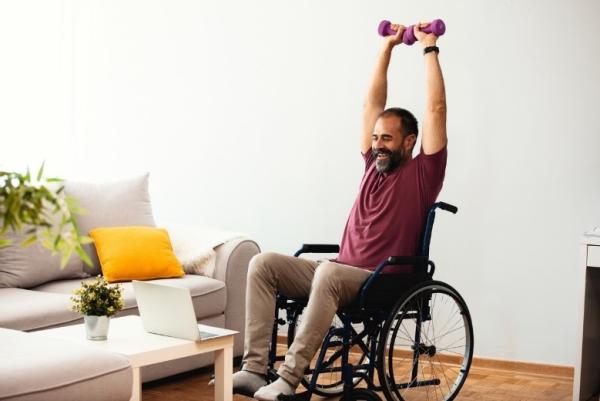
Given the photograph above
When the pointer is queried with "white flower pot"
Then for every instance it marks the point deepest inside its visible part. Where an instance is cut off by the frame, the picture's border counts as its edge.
(96, 327)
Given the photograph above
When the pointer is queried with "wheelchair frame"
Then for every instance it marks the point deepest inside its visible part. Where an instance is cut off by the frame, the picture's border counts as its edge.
(375, 318)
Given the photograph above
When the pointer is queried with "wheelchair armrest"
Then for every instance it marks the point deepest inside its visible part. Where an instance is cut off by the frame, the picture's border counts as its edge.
(407, 260)
(317, 248)
(420, 262)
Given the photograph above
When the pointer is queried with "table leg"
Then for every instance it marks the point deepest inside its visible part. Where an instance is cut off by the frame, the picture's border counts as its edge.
(223, 374)
(587, 371)
(136, 387)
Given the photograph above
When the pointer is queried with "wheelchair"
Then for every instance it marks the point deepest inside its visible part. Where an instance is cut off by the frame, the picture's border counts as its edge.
(414, 332)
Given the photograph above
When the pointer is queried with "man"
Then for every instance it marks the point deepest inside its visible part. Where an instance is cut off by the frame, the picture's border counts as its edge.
(386, 219)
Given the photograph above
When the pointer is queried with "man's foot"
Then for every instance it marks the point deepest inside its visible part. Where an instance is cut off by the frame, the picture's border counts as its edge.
(270, 392)
(247, 383)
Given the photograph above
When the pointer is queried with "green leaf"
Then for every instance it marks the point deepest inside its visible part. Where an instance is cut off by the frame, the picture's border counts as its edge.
(84, 256)
(29, 241)
(85, 240)
(46, 243)
(5, 242)
(74, 207)
(40, 172)
(57, 241)
(64, 259)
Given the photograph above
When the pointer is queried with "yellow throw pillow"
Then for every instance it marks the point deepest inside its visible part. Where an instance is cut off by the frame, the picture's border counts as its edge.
(135, 253)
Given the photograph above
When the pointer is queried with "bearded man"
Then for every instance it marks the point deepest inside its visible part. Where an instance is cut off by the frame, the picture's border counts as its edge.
(387, 219)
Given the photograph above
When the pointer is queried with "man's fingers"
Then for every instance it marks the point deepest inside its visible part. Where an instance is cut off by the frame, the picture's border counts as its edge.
(399, 28)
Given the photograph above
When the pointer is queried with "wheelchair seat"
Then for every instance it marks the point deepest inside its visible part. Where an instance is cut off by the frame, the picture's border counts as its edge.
(415, 333)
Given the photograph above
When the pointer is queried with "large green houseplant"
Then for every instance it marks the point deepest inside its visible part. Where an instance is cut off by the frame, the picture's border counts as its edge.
(37, 207)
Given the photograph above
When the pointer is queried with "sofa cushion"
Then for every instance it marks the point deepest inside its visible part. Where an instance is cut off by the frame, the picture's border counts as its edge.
(33, 265)
(209, 296)
(35, 367)
(135, 253)
(119, 203)
(22, 309)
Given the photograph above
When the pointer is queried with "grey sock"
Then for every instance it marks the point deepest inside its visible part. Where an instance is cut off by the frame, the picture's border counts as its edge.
(273, 390)
(246, 383)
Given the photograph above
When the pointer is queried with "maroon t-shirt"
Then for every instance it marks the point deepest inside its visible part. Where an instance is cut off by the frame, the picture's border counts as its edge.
(389, 214)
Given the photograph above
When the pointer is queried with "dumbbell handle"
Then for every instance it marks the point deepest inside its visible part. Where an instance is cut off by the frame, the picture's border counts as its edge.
(437, 27)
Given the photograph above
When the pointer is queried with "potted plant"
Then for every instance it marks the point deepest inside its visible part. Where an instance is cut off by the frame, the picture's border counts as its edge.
(38, 207)
(97, 301)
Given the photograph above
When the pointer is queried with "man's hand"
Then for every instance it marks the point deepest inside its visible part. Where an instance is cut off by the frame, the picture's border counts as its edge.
(396, 39)
(377, 93)
(434, 122)
(426, 39)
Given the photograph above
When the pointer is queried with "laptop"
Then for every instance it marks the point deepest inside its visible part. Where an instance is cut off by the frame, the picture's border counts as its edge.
(168, 311)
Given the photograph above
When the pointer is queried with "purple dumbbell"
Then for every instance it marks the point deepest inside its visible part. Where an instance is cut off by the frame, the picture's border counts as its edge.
(437, 27)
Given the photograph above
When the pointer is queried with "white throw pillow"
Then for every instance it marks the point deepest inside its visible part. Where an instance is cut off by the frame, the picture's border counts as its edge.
(111, 204)
(194, 246)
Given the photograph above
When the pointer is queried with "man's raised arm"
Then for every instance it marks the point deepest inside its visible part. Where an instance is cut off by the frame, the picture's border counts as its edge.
(434, 122)
(377, 93)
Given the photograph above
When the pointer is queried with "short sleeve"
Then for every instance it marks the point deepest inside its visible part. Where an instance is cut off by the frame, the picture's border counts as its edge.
(369, 158)
(431, 170)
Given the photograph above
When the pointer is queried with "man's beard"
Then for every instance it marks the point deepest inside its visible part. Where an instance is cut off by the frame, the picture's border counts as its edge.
(394, 160)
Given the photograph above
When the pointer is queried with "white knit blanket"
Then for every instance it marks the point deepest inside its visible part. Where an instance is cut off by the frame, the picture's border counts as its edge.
(195, 246)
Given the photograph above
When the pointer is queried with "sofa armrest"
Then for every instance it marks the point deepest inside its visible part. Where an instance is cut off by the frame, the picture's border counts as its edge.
(231, 267)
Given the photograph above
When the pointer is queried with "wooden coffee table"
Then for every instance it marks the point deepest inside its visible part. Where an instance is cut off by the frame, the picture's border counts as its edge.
(127, 336)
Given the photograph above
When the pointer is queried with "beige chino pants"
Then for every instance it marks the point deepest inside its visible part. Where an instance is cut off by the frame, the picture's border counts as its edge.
(327, 285)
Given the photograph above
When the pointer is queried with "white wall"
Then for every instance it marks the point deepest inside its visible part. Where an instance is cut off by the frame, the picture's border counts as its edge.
(247, 115)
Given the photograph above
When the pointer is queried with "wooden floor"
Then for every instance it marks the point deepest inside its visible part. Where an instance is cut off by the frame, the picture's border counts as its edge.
(481, 385)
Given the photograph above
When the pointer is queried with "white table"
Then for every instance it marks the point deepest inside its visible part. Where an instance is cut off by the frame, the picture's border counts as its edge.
(586, 383)
(127, 336)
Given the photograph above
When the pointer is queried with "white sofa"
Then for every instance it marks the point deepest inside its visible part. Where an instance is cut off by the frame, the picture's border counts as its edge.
(35, 368)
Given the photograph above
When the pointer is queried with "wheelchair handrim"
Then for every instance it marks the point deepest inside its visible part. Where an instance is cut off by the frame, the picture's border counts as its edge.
(399, 314)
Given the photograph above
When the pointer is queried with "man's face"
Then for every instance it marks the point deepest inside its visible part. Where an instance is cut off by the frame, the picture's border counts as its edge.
(390, 148)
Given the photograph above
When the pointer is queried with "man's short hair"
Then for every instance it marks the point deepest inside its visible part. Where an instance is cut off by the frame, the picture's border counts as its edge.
(409, 122)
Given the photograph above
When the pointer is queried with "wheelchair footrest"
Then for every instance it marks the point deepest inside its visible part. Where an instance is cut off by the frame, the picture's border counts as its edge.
(305, 396)
(243, 392)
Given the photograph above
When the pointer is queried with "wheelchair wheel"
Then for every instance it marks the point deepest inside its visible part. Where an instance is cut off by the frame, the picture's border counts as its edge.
(329, 382)
(426, 345)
